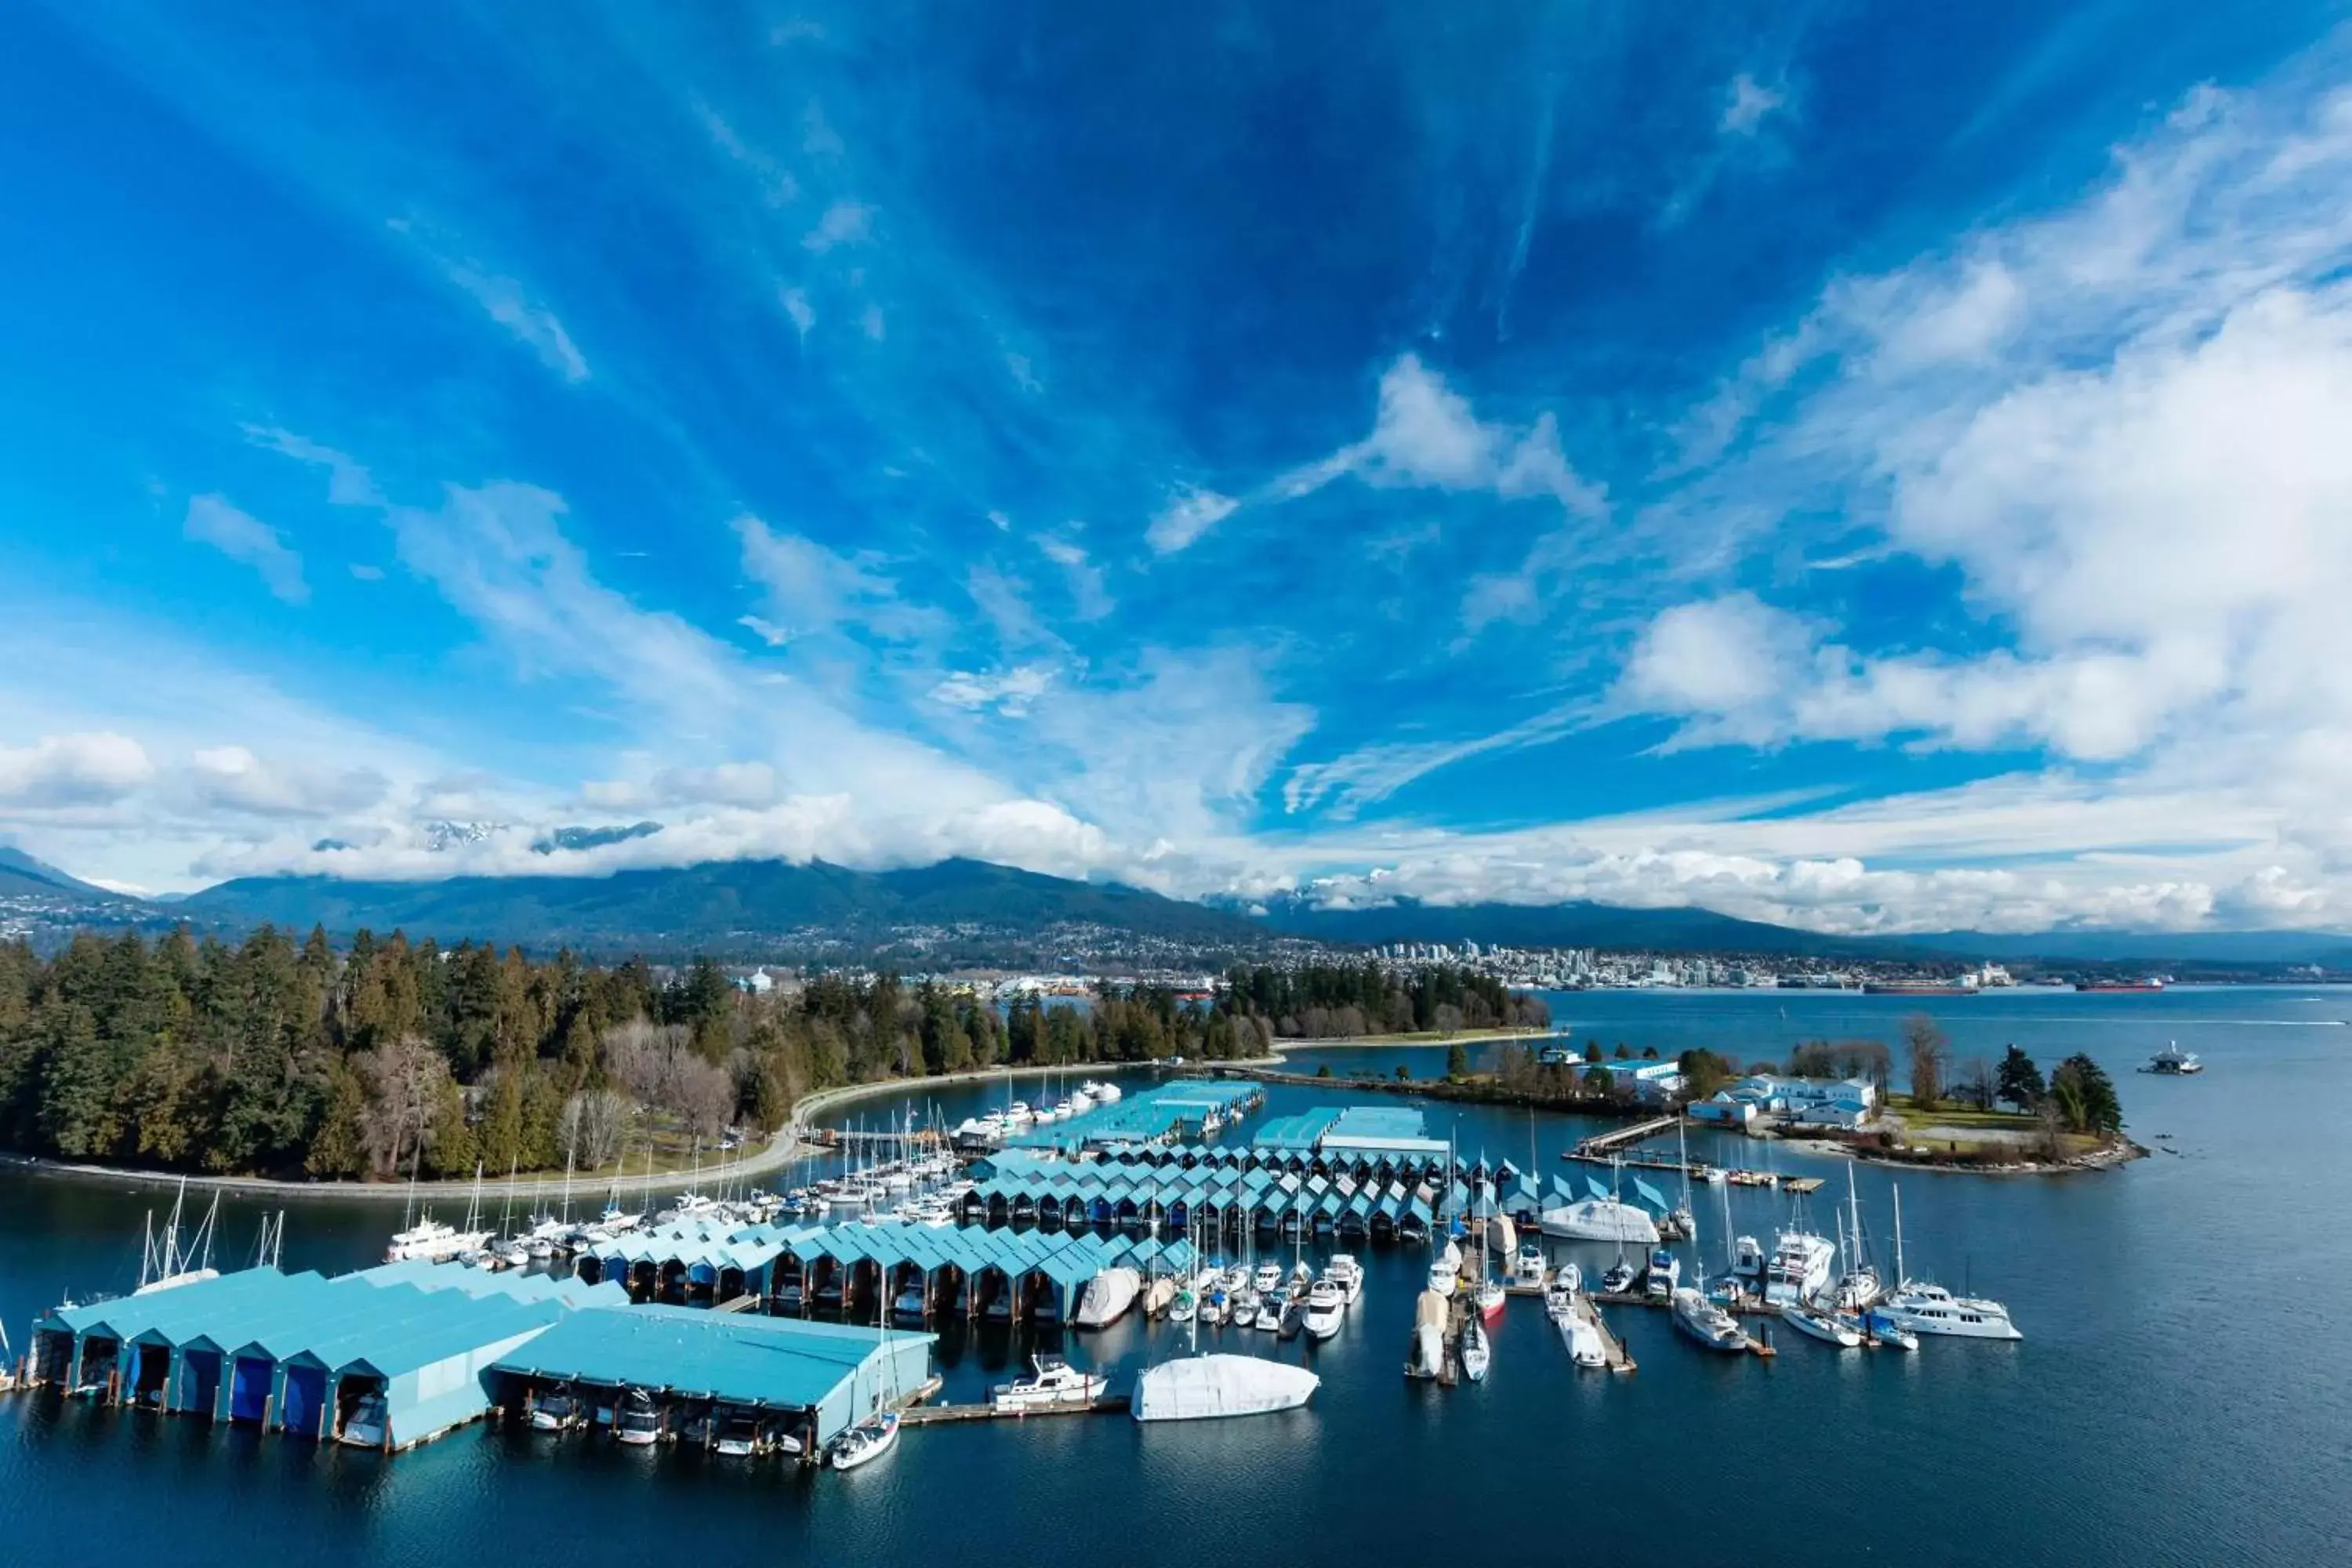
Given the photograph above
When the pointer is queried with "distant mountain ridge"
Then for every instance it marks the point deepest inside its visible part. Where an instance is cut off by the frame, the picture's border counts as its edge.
(728, 907)
(23, 875)
(714, 902)
(1576, 924)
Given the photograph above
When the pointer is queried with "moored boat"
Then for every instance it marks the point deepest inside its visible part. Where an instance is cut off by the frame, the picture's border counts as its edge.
(1055, 1384)
(865, 1442)
(1707, 1322)
(1832, 1328)
(1213, 1387)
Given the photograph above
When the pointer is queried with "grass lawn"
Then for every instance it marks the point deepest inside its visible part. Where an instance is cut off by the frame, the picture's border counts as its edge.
(1950, 1114)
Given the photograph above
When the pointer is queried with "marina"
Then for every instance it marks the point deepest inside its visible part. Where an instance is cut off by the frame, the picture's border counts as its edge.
(602, 1402)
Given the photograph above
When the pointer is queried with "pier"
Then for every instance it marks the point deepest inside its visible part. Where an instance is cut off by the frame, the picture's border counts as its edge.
(940, 1414)
(1602, 1143)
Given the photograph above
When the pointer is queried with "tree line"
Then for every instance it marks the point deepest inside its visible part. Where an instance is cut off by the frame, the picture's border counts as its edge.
(286, 1056)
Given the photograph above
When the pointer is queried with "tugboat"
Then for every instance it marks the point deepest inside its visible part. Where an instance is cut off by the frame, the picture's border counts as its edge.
(2174, 1062)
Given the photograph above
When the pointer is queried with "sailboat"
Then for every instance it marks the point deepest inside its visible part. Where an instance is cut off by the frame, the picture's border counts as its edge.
(1928, 1309)
(1704, 1321)
(879, 1434)
(1487, 1295)
(1859, 1287)
(165, 1262)
(1477, 1351)
(1196, 1387)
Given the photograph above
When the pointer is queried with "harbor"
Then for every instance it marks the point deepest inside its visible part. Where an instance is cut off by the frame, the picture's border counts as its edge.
(714, 1430)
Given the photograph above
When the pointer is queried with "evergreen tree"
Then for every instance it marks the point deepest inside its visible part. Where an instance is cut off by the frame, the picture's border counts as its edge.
(2020, 1082)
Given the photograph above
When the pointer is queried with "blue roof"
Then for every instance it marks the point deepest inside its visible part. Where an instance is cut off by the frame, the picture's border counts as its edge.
(735, 1357)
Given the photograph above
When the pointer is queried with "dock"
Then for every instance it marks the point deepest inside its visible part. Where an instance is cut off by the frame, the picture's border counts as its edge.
(1601, 1143)
(941, 1414)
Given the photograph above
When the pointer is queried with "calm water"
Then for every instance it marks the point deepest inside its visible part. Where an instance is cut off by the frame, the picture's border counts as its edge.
(2178, 1400)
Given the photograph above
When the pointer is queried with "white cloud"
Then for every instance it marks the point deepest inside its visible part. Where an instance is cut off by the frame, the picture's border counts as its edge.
(1425, 434)
(1189, 514)
(814, 591)
(767, 631)
(844, 223)
(506, 302)
(243, 537)
(73, 770)
(797, 308)
(1747, 104)
(1088, 582)
(233, 778)
(1009, 692)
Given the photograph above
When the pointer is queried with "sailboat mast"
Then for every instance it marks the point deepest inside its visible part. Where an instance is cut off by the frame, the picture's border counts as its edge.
(1901, 1279)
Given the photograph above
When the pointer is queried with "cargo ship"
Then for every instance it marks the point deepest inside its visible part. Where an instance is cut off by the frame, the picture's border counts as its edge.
(1917, 988)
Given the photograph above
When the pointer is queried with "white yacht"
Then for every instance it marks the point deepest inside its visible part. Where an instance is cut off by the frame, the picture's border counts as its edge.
(1583, 1340)
(1925, 1309)
(1920, 1308)
(1599, 1219)
(1269, 1310)
(1707, 1323)
(1326, 1309)
(1800, 1267)
(1268, 1279)
(432, 1242)
(1207, 1387)
(1344, 1271)
(2174, 1062)
(1748, 1262)
(1664, 1274)
(557, 1410)
(1056, 1385)
(1528, 1267)
(637, 1423)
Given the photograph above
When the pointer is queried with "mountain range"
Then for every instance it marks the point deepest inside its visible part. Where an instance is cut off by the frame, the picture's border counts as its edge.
(976, 910)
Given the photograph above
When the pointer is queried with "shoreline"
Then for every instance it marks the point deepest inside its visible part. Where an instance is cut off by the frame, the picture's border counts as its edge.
(1393, 1042)
(786, 1144)
(2113, 1157)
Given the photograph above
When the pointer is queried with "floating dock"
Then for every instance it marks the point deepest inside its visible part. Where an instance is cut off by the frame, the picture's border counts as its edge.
(1181, 1109)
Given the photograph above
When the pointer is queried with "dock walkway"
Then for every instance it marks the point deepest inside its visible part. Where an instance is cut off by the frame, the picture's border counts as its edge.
(940, 1414)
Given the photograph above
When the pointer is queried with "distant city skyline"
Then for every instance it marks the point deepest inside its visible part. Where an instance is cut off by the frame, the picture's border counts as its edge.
(1857, 475)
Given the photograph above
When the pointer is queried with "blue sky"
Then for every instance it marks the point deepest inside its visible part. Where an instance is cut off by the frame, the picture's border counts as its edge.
(1868, 468)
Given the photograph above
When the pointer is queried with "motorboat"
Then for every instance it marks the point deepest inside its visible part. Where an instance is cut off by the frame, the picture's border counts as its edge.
(1053, 1384)
(1268, 1279)
(1707, 1322)
(1246, 1303)
(557, 1410)
(1184, 1307)
(1567, 1277)
(1344, 1271)
(1217, 1307)
(369, 1424)
(1800, 1267)
(430, 1241)
(1664, 1277)
(865, 1442)
(1922, 1307)
(1528, 1267)
(1269, 1312)
(1294, 1314)
(2173, 1062)
(1477, 1352)
(1326, 1310)
(637, 1423)
(1925, 1309)
(1559, 1298)
(1747, 1261)
(1107, 1297)
(1212, 1387)
(742, 1435)
(1832, 1328)
(1885, 1331)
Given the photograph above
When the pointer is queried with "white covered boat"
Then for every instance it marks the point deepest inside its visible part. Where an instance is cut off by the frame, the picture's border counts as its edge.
(1599, 1219)
(1707, 1323)
(1107, 1297)
(1425, 1354)
(1209, 1387)
(1582, 1340)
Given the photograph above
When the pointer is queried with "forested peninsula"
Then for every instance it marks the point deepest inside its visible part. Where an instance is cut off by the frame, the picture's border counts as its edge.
(287, 1057)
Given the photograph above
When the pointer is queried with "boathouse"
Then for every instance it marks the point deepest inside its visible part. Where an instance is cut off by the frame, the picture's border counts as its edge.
(815, 1379)
(302, 1353)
